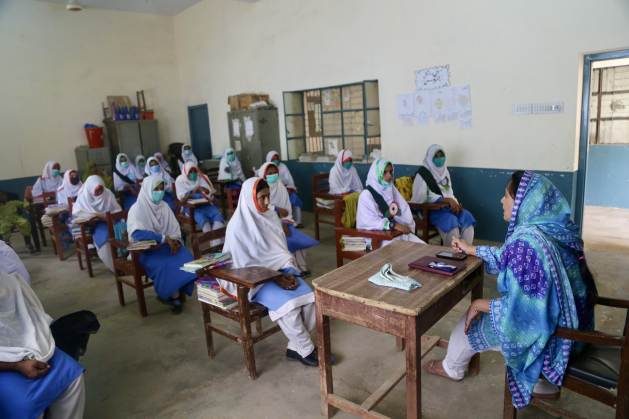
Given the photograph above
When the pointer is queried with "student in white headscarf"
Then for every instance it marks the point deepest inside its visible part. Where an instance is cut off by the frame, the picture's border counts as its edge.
(49, 181)
(36, 377)
(382, 207)
(10, 262)
(150, 218)
(343, 175)
(163, 163)
(432, 183)
(69, 187)
(230, 169)
(186, 156)
(193, 184)
(153, 168)
(125, 181)
(287, 179)
(95, 201)
(255, 237)
(140, 167)
(296, 241)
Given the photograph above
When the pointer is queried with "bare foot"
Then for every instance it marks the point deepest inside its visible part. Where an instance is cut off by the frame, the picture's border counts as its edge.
(435, 367)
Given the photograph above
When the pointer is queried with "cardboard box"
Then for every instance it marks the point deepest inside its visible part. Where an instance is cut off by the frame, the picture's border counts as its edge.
(244, 100)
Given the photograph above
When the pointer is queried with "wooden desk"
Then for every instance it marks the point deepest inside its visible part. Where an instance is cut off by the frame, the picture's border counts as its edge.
(246, 313)
(346, 294)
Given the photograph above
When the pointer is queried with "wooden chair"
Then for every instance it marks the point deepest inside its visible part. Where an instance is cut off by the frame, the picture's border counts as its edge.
(36, 208)
(58, 228)
(201, 243)
(245, 314)
(127, 271)
(423, 228)
(84, 245)
(321, 189)
(377, 237)
(599, 372)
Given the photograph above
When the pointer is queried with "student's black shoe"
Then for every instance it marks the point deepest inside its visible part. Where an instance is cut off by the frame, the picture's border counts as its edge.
(177, 309)
(311, 360)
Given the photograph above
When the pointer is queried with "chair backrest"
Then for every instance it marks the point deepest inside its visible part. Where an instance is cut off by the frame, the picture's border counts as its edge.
(321, 183)
(202, 243)
(112, 219)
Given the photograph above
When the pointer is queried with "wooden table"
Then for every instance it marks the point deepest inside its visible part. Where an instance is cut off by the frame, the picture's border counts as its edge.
(346, 294)
(245, 279)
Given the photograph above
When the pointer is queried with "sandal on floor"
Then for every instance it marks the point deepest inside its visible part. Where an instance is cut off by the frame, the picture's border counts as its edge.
(435, 367)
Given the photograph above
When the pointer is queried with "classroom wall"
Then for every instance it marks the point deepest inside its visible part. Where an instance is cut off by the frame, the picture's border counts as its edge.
(509, 52)
(607, 178)
(57, 67)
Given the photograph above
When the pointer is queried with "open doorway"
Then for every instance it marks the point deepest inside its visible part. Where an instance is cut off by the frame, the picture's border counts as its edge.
(602, 195)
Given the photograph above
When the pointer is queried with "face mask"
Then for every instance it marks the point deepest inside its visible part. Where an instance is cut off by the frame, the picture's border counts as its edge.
(142, 164)
(56, 172)
(157, 196)
(187, 153)
(155, 169)
(231, 156)
(271, 179)
(439, 161)
(348, 165)
(193, 176)
(276, 162)
(74, 180)
(124, 164)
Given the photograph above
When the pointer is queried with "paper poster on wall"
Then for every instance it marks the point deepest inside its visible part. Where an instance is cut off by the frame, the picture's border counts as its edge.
(237, 145)
(463, 103)
(405, 105)
(331, 146)
(248, 127)
(421, 103)
(432, 77)
(441, 104)
(236, 127)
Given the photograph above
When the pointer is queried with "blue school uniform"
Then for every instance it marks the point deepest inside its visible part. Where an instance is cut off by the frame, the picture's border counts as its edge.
(445, 220)
(298, 240)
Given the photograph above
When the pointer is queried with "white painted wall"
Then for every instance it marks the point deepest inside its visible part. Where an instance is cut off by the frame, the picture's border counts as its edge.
(57, 67)
(509, 52)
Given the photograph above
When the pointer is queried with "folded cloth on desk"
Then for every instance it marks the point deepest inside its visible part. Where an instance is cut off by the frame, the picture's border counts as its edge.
(388, 278)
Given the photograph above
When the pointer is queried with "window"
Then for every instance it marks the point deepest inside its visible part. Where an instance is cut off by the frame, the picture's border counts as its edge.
(323, 121)
(609, 107)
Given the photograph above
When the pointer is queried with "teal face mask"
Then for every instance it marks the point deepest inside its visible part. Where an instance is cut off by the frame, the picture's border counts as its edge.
(193, 176)
(124, 164)
(276, 162)
(157, 196)
(231, 157)
(439, 161)
(56, 172)
(348, 165)
(271, 179)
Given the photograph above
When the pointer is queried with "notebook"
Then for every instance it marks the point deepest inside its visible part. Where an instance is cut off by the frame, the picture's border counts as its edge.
(424, 263)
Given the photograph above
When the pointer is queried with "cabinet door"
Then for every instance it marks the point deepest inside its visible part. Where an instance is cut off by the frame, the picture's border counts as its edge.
(150, 137)
(129, 141)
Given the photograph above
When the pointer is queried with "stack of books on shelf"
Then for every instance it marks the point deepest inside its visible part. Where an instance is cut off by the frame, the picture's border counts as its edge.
(211, 261)
(355, 244)
(209, 292)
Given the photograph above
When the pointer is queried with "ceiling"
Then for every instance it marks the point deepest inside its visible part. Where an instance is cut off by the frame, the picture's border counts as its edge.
(157, 7)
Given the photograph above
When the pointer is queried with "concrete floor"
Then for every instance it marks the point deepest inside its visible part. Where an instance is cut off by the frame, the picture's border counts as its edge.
(157, 367)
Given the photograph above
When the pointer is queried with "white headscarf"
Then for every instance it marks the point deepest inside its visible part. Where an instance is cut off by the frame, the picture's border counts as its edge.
(129, 172)
(47, 182)
(87, 204)
(256, 238)
(439, 173)
(235, 169)
(184, 185)
(162, 161)
(285, 176)
(279, 194)
(139, 171)
(183, 160)
(166, 177)
(67, 189)
(341, 179)
(25, 326)
(10, 262)
(147, 215)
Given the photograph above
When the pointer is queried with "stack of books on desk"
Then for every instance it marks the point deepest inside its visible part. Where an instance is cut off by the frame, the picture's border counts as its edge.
(196, 201)
(211, 261)
(325, 203)
(141, 245)
(55, 209)
(355, 244)
(209, 291)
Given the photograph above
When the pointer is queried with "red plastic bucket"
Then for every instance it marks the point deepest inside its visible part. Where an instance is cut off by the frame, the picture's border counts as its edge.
(94, 137)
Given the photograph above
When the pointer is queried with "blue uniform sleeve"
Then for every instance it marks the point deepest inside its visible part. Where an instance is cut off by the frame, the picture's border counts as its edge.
(491, 256)
(142, 235)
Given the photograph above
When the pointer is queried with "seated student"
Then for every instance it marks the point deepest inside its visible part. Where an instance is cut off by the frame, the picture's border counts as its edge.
(433, 184)
(69, 187)
(49, 181)
(153, 168)
(287, 179)
(343, 175)
(151, 219)
(230, 170)
(382, 207)
(255, 238)
(11, 263)
(125, 181)
(140, 166)
(35, 376)
(163, 163)
(95, 201)
(543, 283)
(296, 241)
(186, 156)
(13, 215)
(192, 184)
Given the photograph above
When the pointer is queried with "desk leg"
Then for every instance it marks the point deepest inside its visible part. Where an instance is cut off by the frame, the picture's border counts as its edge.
(325, 369)
(413, 369)
(245, 330)
(477, 292)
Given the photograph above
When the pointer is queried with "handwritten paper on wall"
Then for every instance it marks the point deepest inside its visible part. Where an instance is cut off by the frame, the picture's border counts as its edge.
(248, 127)
(236, 127)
